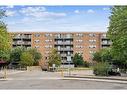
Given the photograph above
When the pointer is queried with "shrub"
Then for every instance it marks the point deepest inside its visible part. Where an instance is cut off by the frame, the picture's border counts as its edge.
(86, 64)
(101, 69)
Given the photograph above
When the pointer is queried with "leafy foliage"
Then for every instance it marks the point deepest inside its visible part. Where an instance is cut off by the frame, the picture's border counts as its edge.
(101, 69)
(54, 58)
(26, 59)
(78, 60)
(104, 55)
(4, 39)
(36, 55)
(118, 33)
(16, 53)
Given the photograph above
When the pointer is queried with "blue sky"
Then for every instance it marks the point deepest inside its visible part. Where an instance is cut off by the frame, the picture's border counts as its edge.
(57, 18)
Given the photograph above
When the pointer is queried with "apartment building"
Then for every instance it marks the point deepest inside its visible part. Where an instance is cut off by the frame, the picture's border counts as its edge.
(66, 43)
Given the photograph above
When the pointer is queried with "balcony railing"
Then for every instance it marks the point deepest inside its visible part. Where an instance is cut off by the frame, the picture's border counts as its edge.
(26, 37)
(66, 55)
(17, 37)
(64, 37)
(63, 43)
(65, 49)
(22, 43)
(22, 37)
(106, 43)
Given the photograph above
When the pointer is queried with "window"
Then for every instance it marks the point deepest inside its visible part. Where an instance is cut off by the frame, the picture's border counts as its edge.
(79, 34)
(37, 41)
(48, 46)
(79, 41)
(91, 52)
(79, 46)
(48, 35)
(92, 46)
(92, 35)
(36, 46)
(37, 35)
(48, 40)
(92, 41)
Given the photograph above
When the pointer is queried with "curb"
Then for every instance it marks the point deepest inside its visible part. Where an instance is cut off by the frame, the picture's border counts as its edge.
(92, 77)
(114, 80)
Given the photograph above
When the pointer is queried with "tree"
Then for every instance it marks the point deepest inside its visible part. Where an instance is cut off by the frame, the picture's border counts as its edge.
(4, 39)
(16, 53)
(104, 55)
(54, 58)
(78, 59)
(117, 32)
(26, 59)
(36, 55)
(97, 57)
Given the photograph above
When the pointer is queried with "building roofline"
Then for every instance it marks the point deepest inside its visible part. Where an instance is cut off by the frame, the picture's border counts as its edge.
(57, 32)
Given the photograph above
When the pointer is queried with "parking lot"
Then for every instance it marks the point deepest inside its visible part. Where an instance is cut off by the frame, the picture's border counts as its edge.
(52, 80)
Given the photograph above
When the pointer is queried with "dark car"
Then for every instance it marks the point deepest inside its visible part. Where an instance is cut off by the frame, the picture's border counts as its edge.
(114, 71)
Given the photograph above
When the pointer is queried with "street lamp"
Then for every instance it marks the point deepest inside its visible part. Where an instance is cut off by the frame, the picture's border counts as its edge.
(69, 60)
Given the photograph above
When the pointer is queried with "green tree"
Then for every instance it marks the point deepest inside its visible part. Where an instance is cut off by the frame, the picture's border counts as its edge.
(117, 32)
(26, 59)
(16, 53)
(54, 58)
(4, 39)
(78, 60)
(97, 57)
(36, 55)
(104, 55)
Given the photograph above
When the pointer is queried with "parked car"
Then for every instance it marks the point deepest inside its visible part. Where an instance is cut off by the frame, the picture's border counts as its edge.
(114, 71)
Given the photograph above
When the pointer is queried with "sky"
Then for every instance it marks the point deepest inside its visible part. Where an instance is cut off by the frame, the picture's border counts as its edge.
(57, 18)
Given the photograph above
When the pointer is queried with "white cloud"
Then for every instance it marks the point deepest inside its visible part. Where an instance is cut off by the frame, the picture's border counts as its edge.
(40, 12)
(7, 7)
(10, 7)
(90, 11)
(106, 8)
(31, 10)
(77, 11)
(10, 13)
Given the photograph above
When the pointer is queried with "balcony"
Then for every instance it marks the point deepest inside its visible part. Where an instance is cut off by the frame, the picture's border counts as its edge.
(21, 43)
(65, 49)
(27, 43)
(63, 43)
(106, 43)
(17, 37)
(64, 37)
(65, 55)
(26, 37)
(68, 37)
(104, 37)
(68, 49)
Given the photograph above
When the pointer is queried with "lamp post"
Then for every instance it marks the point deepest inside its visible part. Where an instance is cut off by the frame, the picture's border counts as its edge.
(69, 60)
